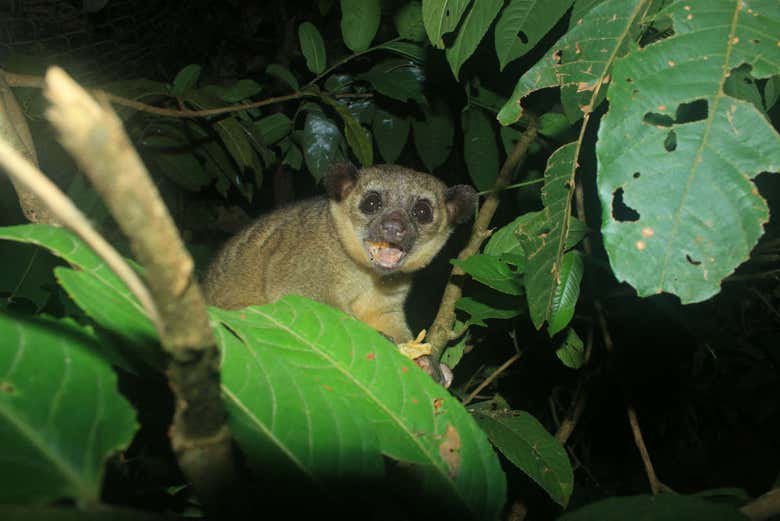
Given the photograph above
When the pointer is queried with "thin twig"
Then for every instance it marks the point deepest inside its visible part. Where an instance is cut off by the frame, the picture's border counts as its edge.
(66, 212)
(23, 80)
(514, 358)
(347, 59)
(439, 332)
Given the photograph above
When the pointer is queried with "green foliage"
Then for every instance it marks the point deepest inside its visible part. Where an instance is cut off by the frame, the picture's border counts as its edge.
(700, 163)
(312, 47)
(359, 23)
(664, 507)
(328, 395)
(527, 444)
(61, 413)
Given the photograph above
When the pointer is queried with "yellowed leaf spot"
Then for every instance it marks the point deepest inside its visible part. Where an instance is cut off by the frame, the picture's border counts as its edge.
(690, 17)
(449, 450)
(640, 245)
(735, 40)
(647, 231)
(671, 63)
(661, 107)
(687, 8)
(583, 86)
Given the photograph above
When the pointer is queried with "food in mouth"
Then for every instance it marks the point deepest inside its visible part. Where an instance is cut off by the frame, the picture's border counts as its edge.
(385, 254)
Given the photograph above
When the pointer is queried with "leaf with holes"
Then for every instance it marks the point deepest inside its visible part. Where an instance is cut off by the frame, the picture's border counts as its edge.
(552, 272)
(583, 56)
(311, 388)
(441, 17)
(676, 154)
(471, 32)
(523, 23)
(526, 443)
(61, 413)
(359, 22)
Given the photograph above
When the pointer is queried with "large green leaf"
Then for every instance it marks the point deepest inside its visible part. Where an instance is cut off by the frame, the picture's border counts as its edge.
(663, 507)
(480, 148)
(523, 23)
(186, 79)
(95, 288)
(583, 56)
(359, 22)
(471, 32)
(552, 273)
(398, 79)
(313, 47)
(61, 414)
(676, 154)
(480, 311)
(169, 151)
(321, 142)
(272, 128)
(526, 443)
(433, 136)
(312, 388)
(441, 17)
(390, 133)
(70, 248)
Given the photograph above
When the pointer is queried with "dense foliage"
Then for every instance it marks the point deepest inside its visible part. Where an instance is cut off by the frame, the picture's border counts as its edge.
(632, 264)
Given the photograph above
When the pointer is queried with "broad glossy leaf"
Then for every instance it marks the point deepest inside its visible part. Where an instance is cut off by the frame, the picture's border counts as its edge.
(571, 352)
(479, 311)
(676, 155)
(293, 158)
(583, 56)
(662, 507)
(479, 148)
(358, 138)
(441, 17)
(491, 272)
(471, 32)
(61, 415)
(526, 443)
(131, 322)
(409, 23)
(433, 136)
(398, 79)
(186, 79)
(390, 134)
(313, 47)
(312, 388)
(523, 23)
(273, 128)
(545, 240)
(359, 22)
(281, 73)
(580, 9)
(321, 142)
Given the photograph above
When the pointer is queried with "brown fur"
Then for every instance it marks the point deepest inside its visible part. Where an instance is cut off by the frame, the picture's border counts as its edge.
(315, 248)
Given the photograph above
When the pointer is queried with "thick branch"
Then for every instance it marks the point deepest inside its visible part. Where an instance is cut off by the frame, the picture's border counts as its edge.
(763, 507)
(439, 332)
(94, 136)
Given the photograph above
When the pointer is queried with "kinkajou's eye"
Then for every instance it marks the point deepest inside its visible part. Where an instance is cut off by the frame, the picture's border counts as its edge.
(371, 203)
(422, 211)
